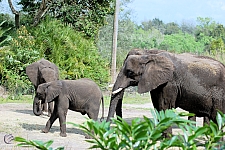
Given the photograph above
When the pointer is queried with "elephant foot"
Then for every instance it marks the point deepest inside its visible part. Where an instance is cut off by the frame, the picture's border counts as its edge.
(44, 131)
(63, 134)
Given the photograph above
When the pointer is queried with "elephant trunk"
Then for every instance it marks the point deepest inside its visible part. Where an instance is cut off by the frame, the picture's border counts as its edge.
(115, 103)
(37, 107)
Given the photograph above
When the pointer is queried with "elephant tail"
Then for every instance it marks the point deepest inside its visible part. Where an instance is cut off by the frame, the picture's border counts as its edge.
(102, 118)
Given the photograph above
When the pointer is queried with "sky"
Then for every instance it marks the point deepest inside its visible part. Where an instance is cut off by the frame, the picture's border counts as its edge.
(167, 10)
(4, 6)
(178, 10)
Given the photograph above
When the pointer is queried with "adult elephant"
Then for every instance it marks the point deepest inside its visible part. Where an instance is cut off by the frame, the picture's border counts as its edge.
(82, 95)
(120, 96)
(193, 83)
(40, 72)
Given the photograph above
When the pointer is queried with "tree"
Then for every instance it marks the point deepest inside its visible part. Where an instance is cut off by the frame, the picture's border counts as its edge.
(16, 13)
(146, 25)
(188, 27)
(86, 16)
(114, 47)
(181, 42)
(171, 28)
(158, 24)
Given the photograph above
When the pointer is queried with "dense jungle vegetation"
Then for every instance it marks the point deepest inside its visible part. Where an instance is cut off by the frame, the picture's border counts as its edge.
(80, 41)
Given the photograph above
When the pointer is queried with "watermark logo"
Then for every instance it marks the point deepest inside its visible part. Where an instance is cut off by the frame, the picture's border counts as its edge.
(8, 138)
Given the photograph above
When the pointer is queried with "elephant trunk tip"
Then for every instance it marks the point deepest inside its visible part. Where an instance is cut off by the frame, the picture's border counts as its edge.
(37, 108)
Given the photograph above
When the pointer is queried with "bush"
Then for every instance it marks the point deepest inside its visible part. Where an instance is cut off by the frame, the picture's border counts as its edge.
(76, 56)
(20, 53)
(147, 133)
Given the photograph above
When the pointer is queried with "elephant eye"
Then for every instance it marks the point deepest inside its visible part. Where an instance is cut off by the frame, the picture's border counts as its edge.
(130, 74)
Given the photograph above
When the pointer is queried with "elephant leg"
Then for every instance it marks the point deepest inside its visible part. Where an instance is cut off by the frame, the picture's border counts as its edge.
(51, 120)
(192, 118)
(206, 120)
(164, 97)
(50, 108)
(93, 113)
(119, 109)
(62, 121)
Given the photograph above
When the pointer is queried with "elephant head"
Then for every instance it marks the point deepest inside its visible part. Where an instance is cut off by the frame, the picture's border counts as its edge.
(40, 72)
(146, 72)
(47, 92)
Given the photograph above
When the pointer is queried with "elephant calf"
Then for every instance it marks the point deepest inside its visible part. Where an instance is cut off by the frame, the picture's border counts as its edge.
(82, 95)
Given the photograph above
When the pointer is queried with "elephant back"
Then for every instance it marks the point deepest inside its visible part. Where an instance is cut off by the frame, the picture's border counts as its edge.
(82, 91)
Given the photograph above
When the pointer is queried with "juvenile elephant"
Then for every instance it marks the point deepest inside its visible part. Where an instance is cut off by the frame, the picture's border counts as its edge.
(40, 72)
(193, 83)
(82, 95)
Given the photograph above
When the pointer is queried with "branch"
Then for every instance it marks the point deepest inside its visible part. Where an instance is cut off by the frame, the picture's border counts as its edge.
(41, 12)
(12, 8)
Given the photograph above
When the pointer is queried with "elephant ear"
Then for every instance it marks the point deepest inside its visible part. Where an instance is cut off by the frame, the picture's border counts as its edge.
(53, 90)
(32, 73)
(56, 69)
(158, 70)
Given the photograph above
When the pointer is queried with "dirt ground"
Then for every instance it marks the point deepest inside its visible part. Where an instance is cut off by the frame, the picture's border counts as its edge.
(19, 120)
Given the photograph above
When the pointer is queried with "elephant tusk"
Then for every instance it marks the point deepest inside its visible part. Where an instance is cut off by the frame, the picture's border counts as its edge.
(117, 91)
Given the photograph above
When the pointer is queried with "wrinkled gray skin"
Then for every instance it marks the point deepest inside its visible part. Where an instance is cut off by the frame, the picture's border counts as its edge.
(147, 52)
(40, 72)
(82, 95)
(193, 83)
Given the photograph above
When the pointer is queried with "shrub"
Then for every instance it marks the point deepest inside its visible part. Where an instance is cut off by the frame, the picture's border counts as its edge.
(15, 58)
(76, 56)
(146, 133)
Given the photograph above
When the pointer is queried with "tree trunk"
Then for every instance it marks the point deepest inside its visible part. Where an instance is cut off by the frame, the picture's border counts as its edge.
(42, 10)
(16, 13)
(114, 47)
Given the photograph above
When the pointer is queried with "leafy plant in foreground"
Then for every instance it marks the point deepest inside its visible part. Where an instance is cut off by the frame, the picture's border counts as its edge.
(38, 144)
(147, 133)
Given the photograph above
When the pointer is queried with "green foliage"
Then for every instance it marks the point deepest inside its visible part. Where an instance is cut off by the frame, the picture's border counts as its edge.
(126, 29)
(37, 144)
(147, 39)
(14, 61)
(147, 133)
(23, 99)
(181, 43)
(217, 47)
(171, 28)
(76, 56)
(86, 16)
(3, 37)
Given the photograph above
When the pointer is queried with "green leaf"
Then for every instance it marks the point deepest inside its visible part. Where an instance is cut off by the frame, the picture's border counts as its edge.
(48, 143)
